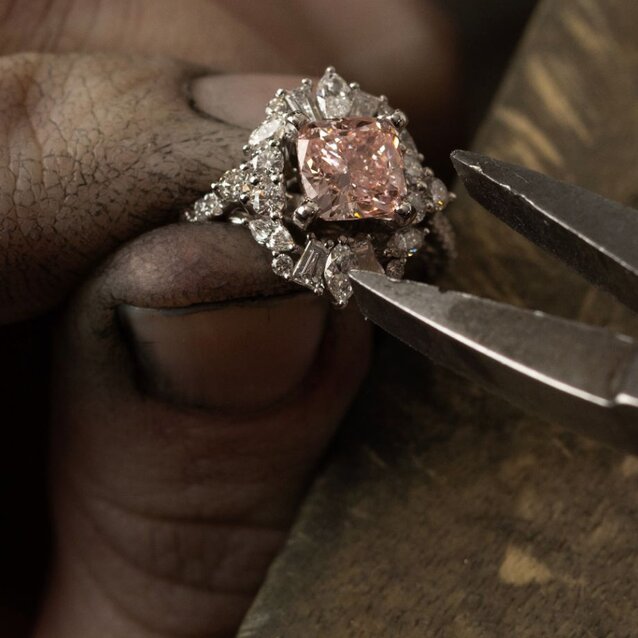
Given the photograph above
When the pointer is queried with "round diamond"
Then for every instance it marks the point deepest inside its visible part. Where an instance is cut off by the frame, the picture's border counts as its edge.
(278, 106)
(440, 194)
(268, 198)
(409, 142)
(406, 241)
(340, 261)
(282, 265)
(208, 206)
(268, 160)
(418, 200)
(233, 184)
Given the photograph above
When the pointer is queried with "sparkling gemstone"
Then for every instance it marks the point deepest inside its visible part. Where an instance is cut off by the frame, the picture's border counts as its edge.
(239, 216)
(261, 229)
(301, 100)
(405, 241)
(408, 141)
(439, 192)
(413, 168)
(420, 204)
(395, 268)
(278, 106)
(364, 104)
(351, 167)
(280, 239)
(268, 197)
(282, 265)
(273, 127)
(339, 263)
(271, 233)
(334, 96)
(340, 287)
(309, 269)
(208, 206)
(366, 257)
(233, 184)
(384, 107)
(268, 159)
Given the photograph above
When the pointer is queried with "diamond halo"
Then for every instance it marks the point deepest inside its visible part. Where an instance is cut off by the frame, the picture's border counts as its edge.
(332, 181)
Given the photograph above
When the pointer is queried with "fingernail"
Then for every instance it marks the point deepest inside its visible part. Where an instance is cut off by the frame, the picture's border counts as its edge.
(238, 99)
(232, 356)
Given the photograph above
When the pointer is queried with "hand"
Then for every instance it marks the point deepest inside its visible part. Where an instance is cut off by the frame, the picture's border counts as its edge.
(192, 393)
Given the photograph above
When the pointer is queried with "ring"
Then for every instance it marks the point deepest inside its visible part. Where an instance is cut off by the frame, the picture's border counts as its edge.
(333, 181)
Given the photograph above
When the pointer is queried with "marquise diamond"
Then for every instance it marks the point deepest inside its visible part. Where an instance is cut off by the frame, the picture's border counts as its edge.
(334, 96)
(273, 127)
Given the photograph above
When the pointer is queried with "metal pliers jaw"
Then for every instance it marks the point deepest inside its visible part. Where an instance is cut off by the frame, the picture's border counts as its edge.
(579, 375)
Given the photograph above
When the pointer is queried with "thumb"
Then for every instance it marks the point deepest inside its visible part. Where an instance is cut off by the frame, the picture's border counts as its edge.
(194, 395)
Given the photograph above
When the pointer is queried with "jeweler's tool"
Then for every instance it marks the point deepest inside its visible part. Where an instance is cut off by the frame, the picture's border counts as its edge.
(583, 376)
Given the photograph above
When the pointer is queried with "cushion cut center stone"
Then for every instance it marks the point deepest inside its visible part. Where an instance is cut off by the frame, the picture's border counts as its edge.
(351, 167)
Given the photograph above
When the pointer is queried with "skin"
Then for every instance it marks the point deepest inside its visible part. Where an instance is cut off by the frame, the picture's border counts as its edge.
(170, 495)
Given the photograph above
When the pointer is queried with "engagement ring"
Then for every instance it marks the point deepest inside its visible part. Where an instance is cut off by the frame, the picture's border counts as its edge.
(333, 181)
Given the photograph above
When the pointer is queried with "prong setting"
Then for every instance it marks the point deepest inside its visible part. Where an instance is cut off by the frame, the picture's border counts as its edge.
(305, 204)
(305, 214)
(297, 120)
(405, 212)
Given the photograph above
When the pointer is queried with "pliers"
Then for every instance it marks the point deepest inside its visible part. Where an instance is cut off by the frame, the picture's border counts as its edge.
(582, 376)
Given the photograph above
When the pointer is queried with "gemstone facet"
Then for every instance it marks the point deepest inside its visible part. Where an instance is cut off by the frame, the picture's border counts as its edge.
(301, 100)
(309, 269)
(366, 257)
(351, 167)
(282, 265)
(440, 194)
(405, 241)
(334, 96)
(274, 126)
(205, 208)
(340, 261)
(268, 198)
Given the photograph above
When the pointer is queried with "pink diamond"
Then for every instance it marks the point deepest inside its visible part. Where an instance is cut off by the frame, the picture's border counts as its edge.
(351, 167)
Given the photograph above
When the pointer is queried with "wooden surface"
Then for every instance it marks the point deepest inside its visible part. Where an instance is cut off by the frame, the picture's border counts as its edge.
(442, 510)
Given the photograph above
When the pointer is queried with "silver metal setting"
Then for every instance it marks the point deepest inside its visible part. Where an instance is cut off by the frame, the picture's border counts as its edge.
(266, 195)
